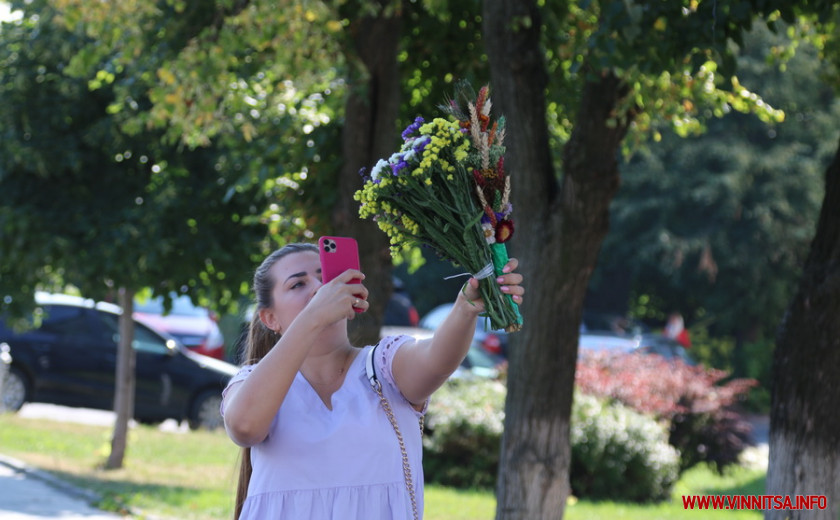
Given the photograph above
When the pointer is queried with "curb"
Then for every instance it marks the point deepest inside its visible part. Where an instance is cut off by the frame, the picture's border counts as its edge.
(92, 498)
(62, 485)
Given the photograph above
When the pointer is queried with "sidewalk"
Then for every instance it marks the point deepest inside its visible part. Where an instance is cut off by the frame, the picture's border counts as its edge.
(27, 493)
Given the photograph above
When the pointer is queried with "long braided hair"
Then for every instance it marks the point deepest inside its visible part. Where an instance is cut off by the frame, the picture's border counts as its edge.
(260, 341)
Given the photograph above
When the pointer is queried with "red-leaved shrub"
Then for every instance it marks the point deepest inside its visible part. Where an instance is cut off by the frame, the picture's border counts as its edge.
(694, 401)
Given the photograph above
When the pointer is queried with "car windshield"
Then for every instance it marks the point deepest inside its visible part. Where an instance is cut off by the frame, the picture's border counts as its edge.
(181, 306)
(144, 339)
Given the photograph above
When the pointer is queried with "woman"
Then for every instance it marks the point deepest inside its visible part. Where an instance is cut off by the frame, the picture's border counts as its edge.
(320, 442)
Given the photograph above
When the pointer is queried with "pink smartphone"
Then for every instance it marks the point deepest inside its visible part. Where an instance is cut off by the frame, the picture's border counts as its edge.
(338, 254)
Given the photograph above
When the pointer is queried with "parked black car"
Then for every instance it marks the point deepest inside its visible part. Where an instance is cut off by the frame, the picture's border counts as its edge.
(5, 362)
(69, 358)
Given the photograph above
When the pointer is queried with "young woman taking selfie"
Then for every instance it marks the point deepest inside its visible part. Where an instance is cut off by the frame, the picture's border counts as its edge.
(330, 430)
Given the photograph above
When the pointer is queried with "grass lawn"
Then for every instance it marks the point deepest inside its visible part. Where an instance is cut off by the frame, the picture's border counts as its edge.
(699, 480)
(192, 475)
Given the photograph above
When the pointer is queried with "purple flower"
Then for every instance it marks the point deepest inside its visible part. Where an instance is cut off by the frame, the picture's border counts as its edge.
(397, 167)
(413, 127)
(420, 143)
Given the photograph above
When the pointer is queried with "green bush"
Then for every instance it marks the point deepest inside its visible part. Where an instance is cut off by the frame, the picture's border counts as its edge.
(753, 360)
(616, 452)
(712, 351)
(758, 363)
(619, 454)
(463, 434)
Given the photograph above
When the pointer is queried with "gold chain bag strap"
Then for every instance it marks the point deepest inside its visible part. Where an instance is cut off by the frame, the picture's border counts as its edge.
(377, 387)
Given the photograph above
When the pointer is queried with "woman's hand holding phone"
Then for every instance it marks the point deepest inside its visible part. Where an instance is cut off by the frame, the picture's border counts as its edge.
(338, 255)
(339, 298)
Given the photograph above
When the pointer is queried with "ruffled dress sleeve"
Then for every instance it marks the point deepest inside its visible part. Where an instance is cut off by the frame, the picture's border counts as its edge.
(384, 353)
(240, 376)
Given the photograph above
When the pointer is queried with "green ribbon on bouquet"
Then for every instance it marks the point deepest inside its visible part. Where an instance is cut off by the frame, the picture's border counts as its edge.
(499, 255)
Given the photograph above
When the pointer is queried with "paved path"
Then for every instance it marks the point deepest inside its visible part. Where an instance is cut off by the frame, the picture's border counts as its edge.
(30, 494)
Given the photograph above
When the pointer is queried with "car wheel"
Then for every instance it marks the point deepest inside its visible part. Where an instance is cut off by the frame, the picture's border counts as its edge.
(205, 411)
(15, 390)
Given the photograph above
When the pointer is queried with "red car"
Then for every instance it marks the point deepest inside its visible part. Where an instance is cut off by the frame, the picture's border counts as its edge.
(195, 327)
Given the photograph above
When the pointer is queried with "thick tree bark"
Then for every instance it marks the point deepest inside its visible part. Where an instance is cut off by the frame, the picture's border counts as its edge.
(560, 231)
(370, 133)
(804, 424)
(124, 382)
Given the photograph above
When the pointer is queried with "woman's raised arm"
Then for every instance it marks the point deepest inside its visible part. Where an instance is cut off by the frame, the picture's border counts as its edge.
(423, 366)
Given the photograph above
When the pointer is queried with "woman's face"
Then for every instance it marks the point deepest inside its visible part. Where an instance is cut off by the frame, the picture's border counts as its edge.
(296, 278)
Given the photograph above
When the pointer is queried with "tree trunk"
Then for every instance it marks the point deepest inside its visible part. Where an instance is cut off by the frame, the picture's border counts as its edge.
(804, 424)
(370, 133)
(124, 382)
(560, 231)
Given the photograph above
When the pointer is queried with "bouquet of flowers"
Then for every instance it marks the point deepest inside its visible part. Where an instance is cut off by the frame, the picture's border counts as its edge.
(447, 189)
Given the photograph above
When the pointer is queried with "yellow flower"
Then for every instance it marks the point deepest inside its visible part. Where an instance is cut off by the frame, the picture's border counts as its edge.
(410, 225)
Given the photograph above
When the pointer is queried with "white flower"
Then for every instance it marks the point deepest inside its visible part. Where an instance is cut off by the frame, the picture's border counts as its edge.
(489, 232)
(377, 170)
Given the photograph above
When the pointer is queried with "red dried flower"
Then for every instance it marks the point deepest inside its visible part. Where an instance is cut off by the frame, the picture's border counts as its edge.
(504, 230)
(479, 179)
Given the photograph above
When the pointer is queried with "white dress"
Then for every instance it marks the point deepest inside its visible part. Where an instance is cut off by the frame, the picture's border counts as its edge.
(339, 464)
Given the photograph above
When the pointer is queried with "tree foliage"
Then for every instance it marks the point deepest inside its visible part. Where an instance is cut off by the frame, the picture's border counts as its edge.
(701, 221)
(97, 206)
